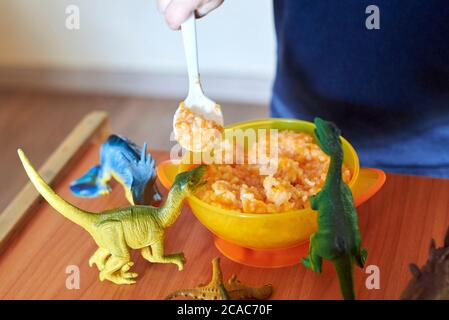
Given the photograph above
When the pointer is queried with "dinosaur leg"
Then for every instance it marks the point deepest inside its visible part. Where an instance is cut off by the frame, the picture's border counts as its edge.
(104, 187)
(99, 258)
(116, 270)
(313, 260)
(155, 254)
(118, 264)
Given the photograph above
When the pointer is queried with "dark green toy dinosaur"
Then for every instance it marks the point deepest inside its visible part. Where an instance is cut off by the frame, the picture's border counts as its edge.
(338, 237)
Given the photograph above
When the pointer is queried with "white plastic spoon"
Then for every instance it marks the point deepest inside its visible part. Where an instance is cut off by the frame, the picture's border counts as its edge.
(196, 100)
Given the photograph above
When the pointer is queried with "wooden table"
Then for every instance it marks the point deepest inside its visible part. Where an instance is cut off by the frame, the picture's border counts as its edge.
(37, 244)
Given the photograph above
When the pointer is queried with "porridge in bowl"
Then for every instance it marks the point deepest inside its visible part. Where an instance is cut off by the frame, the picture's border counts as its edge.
(301, 172)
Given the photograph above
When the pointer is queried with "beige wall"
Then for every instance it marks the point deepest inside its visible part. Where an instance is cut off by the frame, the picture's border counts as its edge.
(237, 40)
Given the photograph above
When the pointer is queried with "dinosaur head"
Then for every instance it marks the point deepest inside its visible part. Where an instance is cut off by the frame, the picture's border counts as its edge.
(328, 137)
(143, 187)
(146, 193)
(189, 181)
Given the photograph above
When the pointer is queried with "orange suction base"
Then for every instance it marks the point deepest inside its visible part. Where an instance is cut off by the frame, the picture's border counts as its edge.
(263, 258)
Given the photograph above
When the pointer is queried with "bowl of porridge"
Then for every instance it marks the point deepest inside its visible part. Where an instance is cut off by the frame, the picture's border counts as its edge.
(257, 189)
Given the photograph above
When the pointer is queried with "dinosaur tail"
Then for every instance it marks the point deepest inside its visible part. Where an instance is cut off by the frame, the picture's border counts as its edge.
(262, 293)
(191, 293)
(78, 216)
(344, 266)
(197, 294)
(91, 184)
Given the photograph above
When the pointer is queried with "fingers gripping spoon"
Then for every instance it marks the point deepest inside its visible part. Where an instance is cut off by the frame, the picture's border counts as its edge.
(196, 101)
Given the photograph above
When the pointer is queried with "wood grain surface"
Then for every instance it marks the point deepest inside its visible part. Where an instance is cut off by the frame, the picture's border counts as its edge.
(397, 225)
(92, 128)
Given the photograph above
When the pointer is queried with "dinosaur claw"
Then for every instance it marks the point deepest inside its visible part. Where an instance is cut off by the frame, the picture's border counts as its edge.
(124, 281)
(181, 261)
(306, 263)
(126, 267)
(130, 275)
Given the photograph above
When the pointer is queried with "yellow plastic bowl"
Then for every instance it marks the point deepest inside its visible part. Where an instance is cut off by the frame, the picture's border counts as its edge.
(270, 230)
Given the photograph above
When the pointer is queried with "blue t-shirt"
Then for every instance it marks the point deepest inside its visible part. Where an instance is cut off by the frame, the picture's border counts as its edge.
(387, 89)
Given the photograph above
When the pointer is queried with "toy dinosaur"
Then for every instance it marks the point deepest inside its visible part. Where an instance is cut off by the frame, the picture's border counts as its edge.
(118, 230)
(338, 237)
(432, 281)
(130, 165)
(217, 290)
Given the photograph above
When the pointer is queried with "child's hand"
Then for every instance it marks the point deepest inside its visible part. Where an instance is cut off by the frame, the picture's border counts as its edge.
(177, 11)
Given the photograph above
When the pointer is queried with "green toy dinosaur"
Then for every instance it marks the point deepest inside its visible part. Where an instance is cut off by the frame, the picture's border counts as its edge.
(118, 230)
(217, 290)
(338, 237)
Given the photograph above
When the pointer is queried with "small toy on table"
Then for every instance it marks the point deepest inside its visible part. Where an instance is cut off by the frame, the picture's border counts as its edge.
(338, 237)
(217, 290)
(129, 164)
(431, 282)
(116, 231)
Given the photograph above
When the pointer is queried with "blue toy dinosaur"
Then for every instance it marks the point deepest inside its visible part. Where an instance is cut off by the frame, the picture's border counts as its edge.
(129, 164)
